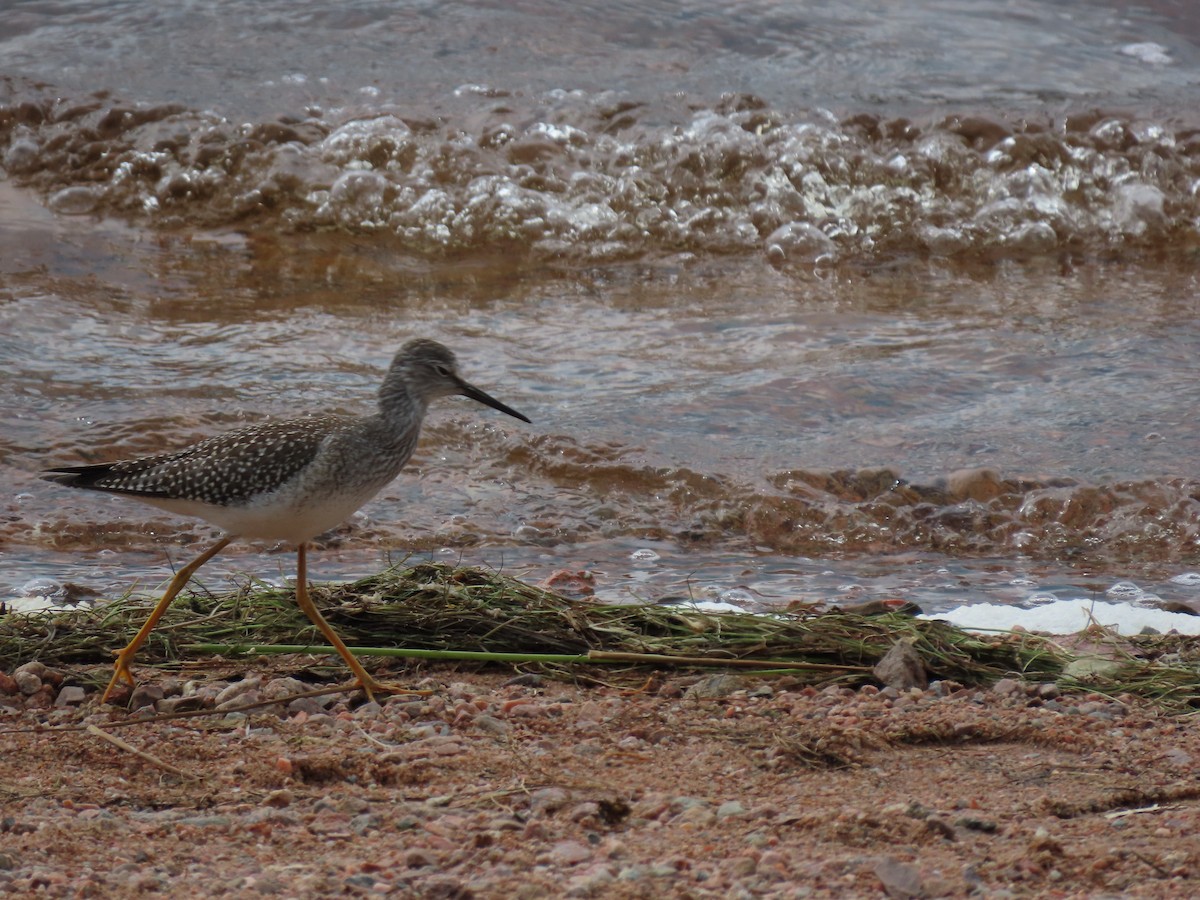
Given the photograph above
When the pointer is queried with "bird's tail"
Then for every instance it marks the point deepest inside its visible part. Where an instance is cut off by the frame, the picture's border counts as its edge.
(79, 476)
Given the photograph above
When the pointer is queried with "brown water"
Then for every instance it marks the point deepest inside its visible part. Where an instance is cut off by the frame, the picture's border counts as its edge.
(800, 308)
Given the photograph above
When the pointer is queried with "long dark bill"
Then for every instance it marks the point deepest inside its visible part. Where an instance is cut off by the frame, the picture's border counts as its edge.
(469, 390)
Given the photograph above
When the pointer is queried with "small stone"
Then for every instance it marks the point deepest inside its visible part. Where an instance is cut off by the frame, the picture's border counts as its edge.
(902, 668)
(31, 668)
(715, 686)
(248, 697)
(491, 724)
(570, 853)
(280, 688)
(71, 695)
(590, 883)
(1008, 687)
(730, 808)
(549, 800)
(27, 682)
(584, 811)
(744, 867)
(899, 879)
(237, 689)
(1178, 756)
(145, 695)
(369, 710)
(696, 815)
(179, 704)
(310, 706)
(365, 822)
(417, 859)
(279, 799)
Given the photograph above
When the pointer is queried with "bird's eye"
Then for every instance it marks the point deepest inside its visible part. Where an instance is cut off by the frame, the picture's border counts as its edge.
(443, 371)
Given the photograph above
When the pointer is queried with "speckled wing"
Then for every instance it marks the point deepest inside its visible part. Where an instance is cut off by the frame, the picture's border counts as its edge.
(227, 470)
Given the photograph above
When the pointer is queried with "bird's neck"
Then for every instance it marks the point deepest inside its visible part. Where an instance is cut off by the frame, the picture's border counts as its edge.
(400, 411)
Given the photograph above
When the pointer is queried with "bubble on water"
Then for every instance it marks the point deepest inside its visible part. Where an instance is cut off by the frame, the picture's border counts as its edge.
(21, 156)
(73, 201)
(798, 242)
(1023, 538)
(1023, 582)
(1039, 597)
(1190, 579)
(381, 140)
(736, 597)
(479, 90)
(644, 555)
(942, 241)
(1124, 589)
(42, 587)
(1138, 206)
(1149, 52)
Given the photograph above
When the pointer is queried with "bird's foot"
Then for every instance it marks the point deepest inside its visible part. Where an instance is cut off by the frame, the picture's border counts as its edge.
(370, 687)
(120, 673)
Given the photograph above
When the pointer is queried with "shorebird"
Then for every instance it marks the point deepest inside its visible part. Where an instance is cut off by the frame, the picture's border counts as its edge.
(286, 480)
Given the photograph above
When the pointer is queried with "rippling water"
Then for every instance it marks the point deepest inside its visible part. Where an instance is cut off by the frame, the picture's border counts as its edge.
(807, 302)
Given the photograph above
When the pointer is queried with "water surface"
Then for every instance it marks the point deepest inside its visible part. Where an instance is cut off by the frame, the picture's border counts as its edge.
(817, 302)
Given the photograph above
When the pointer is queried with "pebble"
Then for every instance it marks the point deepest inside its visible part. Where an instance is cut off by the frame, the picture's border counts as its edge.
(236, 690)
(148, 694)
(279, 688)
(491, 724)
(570, 853)
(549, 800)
(715, 686)
(221, 823)
(169, 705)
(70, 695)
(365, 822)
(27, 682)
(279, 798)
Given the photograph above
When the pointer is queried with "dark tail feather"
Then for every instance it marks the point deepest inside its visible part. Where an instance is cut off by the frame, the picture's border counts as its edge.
(79, 476)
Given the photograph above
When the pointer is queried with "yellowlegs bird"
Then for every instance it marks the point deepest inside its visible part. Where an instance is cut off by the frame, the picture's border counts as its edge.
(288, 480)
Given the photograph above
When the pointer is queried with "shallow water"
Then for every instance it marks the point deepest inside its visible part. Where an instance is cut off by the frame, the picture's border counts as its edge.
(904, 333)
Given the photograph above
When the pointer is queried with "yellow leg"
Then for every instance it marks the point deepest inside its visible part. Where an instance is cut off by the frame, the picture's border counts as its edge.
(365, 681)
(125, 657)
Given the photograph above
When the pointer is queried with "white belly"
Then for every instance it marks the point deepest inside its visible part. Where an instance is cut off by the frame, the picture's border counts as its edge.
(271, 518)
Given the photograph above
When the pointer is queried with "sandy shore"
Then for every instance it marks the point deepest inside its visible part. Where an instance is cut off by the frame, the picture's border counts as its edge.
(499, 786)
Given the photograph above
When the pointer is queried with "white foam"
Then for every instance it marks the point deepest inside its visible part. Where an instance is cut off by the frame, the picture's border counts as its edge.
(1068, 617)
(708, 606)
(34, 603)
